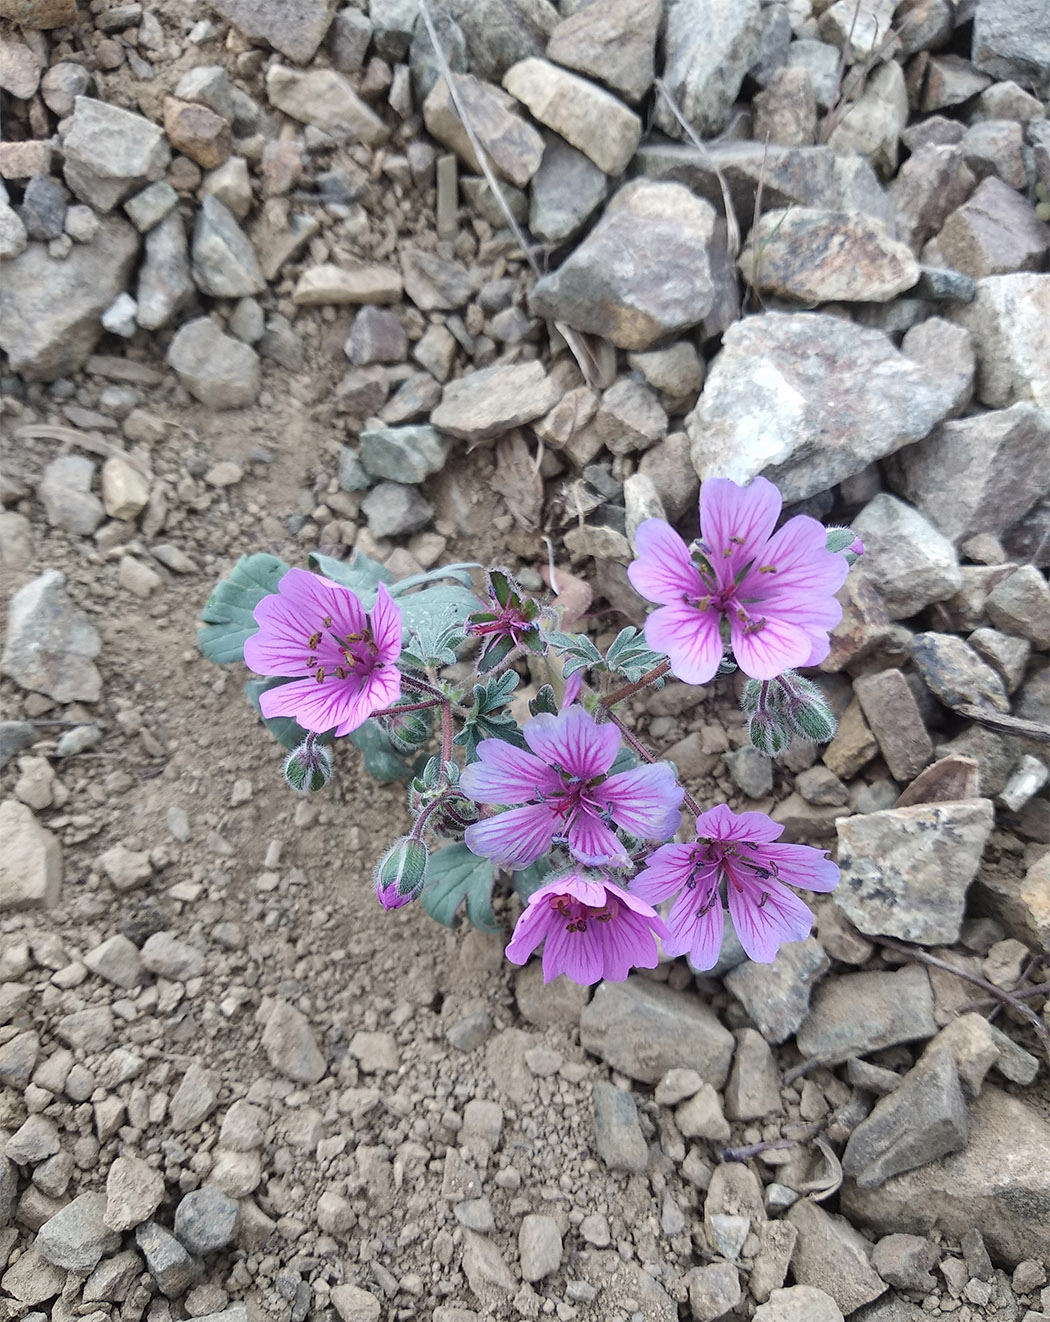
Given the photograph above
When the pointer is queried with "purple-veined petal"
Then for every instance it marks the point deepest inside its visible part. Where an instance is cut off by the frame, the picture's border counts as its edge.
(765, 916)
(722, 823)
(386, 625)
(766, 652)
(529, 931)
(505, 774)
(663, 571)
(697, 934)
(628, 942)
(736, 522)
(576, 954)
(804, 570)
(380, 689)
(691, 639)
(321, 599)
(666, 871)
(574, 741)
(799, 865)
(316, 707)
(591, 841)
(644, 801)
(515, 838)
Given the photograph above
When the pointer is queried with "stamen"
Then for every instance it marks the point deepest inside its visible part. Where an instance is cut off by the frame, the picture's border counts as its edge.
(767, 569)
(327, 621)
(314, 640)
(320, 675)
(311, 661)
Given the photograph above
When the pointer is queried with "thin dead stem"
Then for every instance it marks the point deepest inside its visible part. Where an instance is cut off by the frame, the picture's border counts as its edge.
(732, 228)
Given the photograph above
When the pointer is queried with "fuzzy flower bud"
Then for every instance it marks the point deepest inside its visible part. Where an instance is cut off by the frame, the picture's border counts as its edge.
(401, 873)
(408, 731)
(308, 767)
(804, 708)
(845, 542)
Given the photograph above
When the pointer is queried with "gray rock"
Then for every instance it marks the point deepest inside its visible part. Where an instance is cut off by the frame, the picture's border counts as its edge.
(924, 1118)
(327, 100)
(88, 1031)
(33, 1280)
(1009, 320)
(999, 1184)
(195, 1098)
(499, 33)
(77, 1235)
(50, 310)
(909, 561)
(802, 176)
(36, 1139)
(62, 84)
(905, 1261)
(709, 47)
(206, 1220)
(119, 317)
(701, 1116)
(223, 259)
(422, 59)
(1006, 654)
(165, 287)
(629, 418)
(955, 673)
(117, 960)
(905, 871)
(133, 1193)
(486, 403)
(809, 400)
(168, 1262)
(894, 719)
(776, 996)
(215, 368)
(752, 771)
(514, 146)
(1020, 605)
(946, 352)
(977, 474)
(799, 1303)
(618, 1136)
(1010, 41)
(928, 187)
(171, 958)
(434, 282)
(294, 27)
(832, 1256)
(753, 1090)
(811, 256)
(392, 509)
(43, 208)
(376, 336)
(566, 191)
(110, 153)
(875, 121)
(18, 1059)
(865, 1012)
(50, 645)
(290, 1045)
(995, 232)
(613, 42)
(539, 1247)
(613, 285)
(644, 1029)
(403, 454)
(65, 492)
(714, 1291)
(13, 236)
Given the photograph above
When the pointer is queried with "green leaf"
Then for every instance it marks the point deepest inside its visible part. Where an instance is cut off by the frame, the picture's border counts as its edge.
(460, 572)
(381, 762)
(544, 701)
(441, 605)
(487, 720)
(285, 729)
(630, 656)
(577, 651)
(360, 574)
(456, 875)
(227, 615)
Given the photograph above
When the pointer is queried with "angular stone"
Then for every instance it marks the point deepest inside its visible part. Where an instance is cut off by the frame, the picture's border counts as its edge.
(369, 282)
(896, 722)
(701, 1116)
(643, 272)
(354, 1304)
(566, 191)
(65, 492)
(50, 645)
(1000, 1184)
(613, 42)
(294, 27)
(864, 627)
(327, 100)
(864, 1012)
(50, 310)
(206, 1220)
(125, 489)
(709, 47)
(110, 153)
(905, 871)
(811, 256)
(18, 1059)
(539, 1247)
(832, 1256)
(224, 261)
(168, 1262)
(134, 1190)
(585, 115)
(945, 351)
(433, 282)
(873, 126)
(484, 404)
(1009, 320)
(165, 287)
(931, 183)
(89, 1030)
(77, 1236)
(776, 996)
(753, 1090)
(394, 509)
(32, 1279)
(910, 562)
(808, 400)
(644, 1029)
(223, 373)
(955, 673)
(618, 1136)
(198, 132)
(905, 1261)
(714, 1291)
(403, 454)
(1010, 41)
(290, 1045)
(195, 1098)
(1020, 605)
(118, 961)
(995, 232)
(514, 147)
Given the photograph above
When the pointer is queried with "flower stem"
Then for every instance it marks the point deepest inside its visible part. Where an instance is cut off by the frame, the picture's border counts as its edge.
(648, 756)
(628, 690)
(421, 686)
(446, 734)
(407, 706)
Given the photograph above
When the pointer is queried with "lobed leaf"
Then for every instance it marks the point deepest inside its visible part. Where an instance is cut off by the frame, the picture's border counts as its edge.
(227, 618)
(454, 876)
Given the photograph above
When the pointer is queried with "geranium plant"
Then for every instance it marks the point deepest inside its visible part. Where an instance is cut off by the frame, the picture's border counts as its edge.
(569, 808)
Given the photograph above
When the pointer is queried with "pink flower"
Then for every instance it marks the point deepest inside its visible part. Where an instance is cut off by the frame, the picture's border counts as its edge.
(776, 590)
(737, 850)
(567, 794)
(346, 661)
(592, 929)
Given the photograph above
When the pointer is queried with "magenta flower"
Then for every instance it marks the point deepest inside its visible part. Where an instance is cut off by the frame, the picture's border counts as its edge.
(775, 589)
(592, 929)
(568, 797)
(318, 632)
(736, 849)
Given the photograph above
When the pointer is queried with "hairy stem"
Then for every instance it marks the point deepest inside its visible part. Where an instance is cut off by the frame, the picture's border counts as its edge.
(629, 690)
(648, 755)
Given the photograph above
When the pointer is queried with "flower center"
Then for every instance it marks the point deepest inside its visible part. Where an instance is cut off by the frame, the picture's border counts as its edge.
(577, 915)
(357, 653)
(728, 861)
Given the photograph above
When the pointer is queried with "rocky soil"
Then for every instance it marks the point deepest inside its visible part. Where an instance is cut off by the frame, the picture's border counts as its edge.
(257, 294)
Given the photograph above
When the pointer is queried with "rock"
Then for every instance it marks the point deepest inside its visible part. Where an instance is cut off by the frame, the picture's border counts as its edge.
(905, 1261)
(832, 1256)
(865, 1012)
(995, 232)
(33, 1142)
(751, 770)
(117, 960)
(799, 1303)
(853, 746)
(376, 336)
(126, 869)
(166, 286)
(32, 1280)
(644, 1029)
(354, 1304)
(556, 1004)
(587, 117)
(167, 1261)
(1020, 605)
(701, 1115)
(13, 237)
(910, 562)
(539, 1247)
(613, 42)
(486, 403)
(776, 996)
(125, 490)
(566, 190)
(50, 645)
(1000, 1184)
(1007, 45)
(954, 672)
(18, 1059)
(50, 310)
(224, 261)
(77, 1236)
(976, 474)
(369, 282)
(403, 454)
(290, 1045)
(895, 720)
(628, 418)
(65, 490)
(294, 27)
(931, 184)
(215, 368)
(327, 100)
(610, 285)
(1008, 320)
(714, 1291)
(119, 317)
(808, 400)
(864, 627)
(206, 1220)
(946, 352)
(133, 1193)
(618, 1136)
(43, 209)
(88, 1030)
(198, 132)
(1006, 654)
(110, 153)
(875, 121)
(393, 509)
(170, 958)
(195, 1098)
(812, 256)
(514, 147)
(231, 185)
(709, 47)
(753, 1090)
(927, 856)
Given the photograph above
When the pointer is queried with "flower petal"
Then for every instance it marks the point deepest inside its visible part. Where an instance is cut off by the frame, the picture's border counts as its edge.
(644, 801)
(386, 625)
(666, 871)
(722, 823)
(316, 707)
(576, 954)
(289, 618)
(766, 916)
(515, 838)
(779, 644)
(691, 639)
(736, 522)
(574, 741)
(505, 774)
(627, 942)
(591, 841)
(381, 688)
(698, 934)
(663, 571)
(800, 865)
(530, 929)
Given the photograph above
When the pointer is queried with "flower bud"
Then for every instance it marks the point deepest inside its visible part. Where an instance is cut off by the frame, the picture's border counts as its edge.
(408, 732)
(804, 708)
(401, 873)
(308, 767)
(768, 732)
(845, 542)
